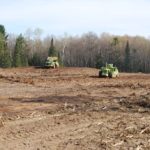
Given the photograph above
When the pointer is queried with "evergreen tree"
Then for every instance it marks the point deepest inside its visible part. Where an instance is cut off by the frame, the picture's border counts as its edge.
(52, 51)
(114, 54)
(115, 41)
(36, 60)
(20, 56)
(5, 59)
(2, 30)
(127, 57)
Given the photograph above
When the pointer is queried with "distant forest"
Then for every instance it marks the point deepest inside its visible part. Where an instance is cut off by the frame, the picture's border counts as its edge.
(128, 53)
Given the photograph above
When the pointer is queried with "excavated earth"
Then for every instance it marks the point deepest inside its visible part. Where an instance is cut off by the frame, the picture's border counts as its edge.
(73, 109)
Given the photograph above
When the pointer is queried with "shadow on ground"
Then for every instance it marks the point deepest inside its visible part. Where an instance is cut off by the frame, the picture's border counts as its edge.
(56, 99)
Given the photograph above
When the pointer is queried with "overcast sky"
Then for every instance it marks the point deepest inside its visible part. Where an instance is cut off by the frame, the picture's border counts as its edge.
(74, 17)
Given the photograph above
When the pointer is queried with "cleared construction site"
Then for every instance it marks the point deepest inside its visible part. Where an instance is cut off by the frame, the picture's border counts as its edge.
(72, 108)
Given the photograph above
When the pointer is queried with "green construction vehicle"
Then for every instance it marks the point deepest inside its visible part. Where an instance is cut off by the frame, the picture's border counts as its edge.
(109, 71)
(52, 62)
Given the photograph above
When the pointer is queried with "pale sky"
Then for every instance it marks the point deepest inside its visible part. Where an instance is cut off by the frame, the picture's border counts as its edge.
(76, 17)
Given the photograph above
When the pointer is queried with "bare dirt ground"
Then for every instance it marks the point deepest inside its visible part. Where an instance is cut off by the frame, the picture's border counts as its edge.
(73, 109)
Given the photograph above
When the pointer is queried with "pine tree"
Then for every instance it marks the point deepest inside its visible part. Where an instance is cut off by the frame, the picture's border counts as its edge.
(114, 55)
(2, 30)
(5, 58)
(127, 57)
(7, 61)
(20, 57)
(52, 51)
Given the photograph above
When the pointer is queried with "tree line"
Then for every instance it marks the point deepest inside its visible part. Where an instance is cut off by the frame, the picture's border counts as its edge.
(128, 53)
